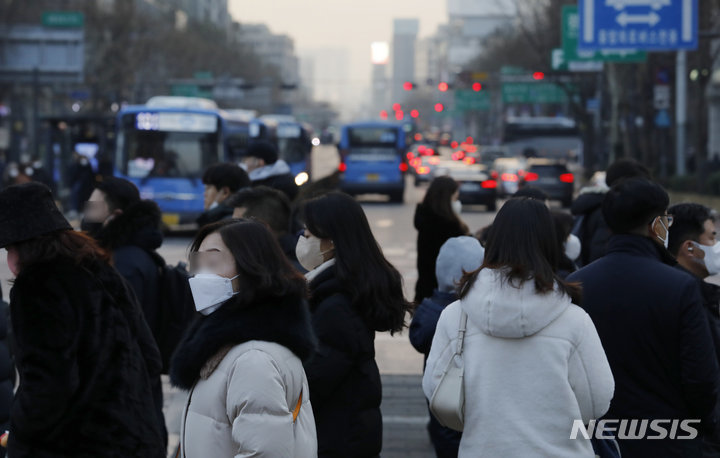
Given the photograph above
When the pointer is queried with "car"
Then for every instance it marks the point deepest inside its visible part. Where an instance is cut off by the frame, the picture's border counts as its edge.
(553, 177)
(422, 168)
(510, 171)
(477, 187)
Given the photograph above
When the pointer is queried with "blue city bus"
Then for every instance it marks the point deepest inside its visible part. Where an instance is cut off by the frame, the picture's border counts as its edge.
(164, 146)
(372, 158)
(294, 144)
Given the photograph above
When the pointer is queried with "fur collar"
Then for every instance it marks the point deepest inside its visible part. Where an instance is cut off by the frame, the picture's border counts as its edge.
(285, 321)
(138, 225)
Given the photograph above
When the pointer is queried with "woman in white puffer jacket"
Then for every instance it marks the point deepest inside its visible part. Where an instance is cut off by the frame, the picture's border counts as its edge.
(533, 360)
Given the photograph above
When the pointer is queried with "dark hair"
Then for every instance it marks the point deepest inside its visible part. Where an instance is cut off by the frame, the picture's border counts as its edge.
(688, 224)
(563, 224)
(264, 204)
(119, 193)
(374, 285)
(264, 150)
(625, 168)
(78, 247)
(632, 204)
(522, 239)
(226, 174)
(265, 273)
(439, 196)
(532, 192)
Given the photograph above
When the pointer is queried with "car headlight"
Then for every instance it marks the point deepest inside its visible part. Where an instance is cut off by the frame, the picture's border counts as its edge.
(301, 178)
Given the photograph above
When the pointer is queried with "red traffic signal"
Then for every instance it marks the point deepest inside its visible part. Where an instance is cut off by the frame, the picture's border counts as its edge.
(442, 87)
(383, 114)
(396, 107)
(414, 113)
(399, 115)
(408, 86)
(538, 76)
(477, 87)
(439, 107)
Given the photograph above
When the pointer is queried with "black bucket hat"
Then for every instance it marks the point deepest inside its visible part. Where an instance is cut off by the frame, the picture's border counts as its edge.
(28, 211)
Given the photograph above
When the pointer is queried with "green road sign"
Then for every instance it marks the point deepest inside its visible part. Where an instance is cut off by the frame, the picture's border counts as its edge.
(560, 63)
(571, 35)
(203, 75)
(63, 19)
(533, 93)
(189, 90)
(469, 100)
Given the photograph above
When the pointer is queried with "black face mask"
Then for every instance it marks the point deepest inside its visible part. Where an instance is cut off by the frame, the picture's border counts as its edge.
(93, 228)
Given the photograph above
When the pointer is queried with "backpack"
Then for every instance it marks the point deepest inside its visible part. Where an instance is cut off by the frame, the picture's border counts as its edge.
(176, 308)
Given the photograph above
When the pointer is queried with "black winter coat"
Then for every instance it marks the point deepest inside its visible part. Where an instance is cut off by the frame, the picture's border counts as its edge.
(590, 227)
(433, 232)
(86, 359)
(133, 237)
(219, 213)
(7, 370)
(345, 387)
(284, 182)
(653, 326)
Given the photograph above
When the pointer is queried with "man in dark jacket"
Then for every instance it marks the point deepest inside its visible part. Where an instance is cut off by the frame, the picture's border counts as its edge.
(129, 228)
(273, 208)
(590, 226)
(694, 245)
(221, 181)
(651, 322)
(266, 169)
(457, 255)
(7, 369)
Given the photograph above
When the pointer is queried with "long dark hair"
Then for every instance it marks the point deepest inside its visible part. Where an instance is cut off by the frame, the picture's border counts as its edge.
(374, 285)
(77, 247)
(265, 272)
(522, 240)
(439, 196)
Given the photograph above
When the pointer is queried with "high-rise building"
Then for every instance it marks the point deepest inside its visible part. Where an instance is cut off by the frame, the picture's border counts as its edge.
(380, 55)
(273, 49)
(470, 21)
(403, 56)
(212, 11)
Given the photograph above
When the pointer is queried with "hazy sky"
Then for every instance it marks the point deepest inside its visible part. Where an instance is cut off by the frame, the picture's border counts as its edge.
(351, 25)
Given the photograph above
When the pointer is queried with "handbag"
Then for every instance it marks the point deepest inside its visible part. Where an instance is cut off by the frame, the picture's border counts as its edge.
(448, 400)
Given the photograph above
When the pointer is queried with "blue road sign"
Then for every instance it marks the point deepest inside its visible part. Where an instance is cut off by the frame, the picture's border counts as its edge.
(650, 25)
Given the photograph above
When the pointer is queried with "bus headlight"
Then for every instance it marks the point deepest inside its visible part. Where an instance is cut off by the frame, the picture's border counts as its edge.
(301, 178)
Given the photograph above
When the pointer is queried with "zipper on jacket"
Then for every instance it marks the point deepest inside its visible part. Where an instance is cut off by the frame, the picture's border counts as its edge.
(187, 411)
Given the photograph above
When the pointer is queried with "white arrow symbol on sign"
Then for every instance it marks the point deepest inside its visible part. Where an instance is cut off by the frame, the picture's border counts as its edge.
(651, 19)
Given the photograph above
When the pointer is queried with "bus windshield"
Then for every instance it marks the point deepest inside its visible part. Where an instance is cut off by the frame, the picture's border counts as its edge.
(555, 138)
(163, 147)
(373, 136)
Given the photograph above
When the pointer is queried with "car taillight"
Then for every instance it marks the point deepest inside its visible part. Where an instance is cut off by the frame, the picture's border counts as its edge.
(434, 160)
(469, 160)
(342, 167)
(531, 176)
(410, 155)
(494, 175)
(511, 177)
(489, 184)
(567, 178)
(403, 167)
(416, 162)
(423, 170)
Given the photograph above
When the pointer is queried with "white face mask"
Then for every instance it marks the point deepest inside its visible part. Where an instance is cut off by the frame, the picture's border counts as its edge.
(308, 252)
(457, 206)
(210, 291)
(712, 257)
(573, 247)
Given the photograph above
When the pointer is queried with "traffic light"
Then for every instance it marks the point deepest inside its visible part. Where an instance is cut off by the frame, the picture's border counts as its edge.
(443, 86)
(538, 76)
(408, 86)
(414, 113)
(439, 107)
(396, 106)
(383, 114)
(399, 115)
(477, 87)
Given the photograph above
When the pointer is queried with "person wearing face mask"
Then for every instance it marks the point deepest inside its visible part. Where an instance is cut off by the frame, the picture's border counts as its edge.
(437, 219)
(221, 181)
(569, 243)
(266, 169)
(241, 361)
(651, 321)
(84, 354)
(694, 244)
(354, 292)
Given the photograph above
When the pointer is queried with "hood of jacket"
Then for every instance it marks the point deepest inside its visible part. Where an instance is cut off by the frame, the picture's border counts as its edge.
(285, 321)
(500, 309)
(280, 167)
(137, 225)
(588, 201)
